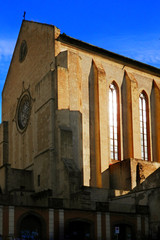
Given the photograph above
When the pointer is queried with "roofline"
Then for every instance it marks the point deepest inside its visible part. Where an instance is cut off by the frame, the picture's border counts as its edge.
(12, 59)
(110, 55)
(94, 49)
(30, 21)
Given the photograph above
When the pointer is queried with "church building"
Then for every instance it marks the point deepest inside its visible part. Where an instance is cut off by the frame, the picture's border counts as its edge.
(79, 142)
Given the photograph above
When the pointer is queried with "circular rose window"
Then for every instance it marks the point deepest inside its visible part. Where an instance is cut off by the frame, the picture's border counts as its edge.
(24, 108)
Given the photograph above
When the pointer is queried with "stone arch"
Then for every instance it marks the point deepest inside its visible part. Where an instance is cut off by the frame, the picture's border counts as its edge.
(31, 226)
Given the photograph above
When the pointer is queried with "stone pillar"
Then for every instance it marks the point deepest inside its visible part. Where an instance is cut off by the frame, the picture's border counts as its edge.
(99, 226)
(61, 224)
(98, 123)
(108, 233)
(11, 220)
(62, 81)
(4, 143)
(51, 224)
(69, 99)
(155, 119)
(130, 117)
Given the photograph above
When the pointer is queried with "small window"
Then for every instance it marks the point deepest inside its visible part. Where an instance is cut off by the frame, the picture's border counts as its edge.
(143, 110)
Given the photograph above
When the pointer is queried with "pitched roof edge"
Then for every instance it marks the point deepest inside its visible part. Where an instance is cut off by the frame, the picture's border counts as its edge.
(46, 24)
(49, 25)
(110, 55)
(12, 57)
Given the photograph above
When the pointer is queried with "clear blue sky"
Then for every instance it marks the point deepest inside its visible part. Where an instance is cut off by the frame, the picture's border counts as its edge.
(130, 28)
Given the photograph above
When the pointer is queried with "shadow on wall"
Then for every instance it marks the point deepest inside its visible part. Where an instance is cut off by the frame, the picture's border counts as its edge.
(69, 143)
(134, 174)
(149, 182)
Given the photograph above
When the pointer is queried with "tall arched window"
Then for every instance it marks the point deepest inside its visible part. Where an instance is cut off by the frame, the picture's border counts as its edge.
(114, 121)
(144, 126)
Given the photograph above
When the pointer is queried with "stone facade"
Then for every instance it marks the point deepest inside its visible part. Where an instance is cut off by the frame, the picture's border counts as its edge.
(57, 175)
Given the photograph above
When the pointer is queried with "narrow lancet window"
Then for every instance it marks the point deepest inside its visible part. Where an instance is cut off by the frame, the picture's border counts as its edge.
(143, 126)
(113, 121)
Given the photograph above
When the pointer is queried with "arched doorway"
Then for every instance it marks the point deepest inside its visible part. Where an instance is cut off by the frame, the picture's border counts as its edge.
(79, 230)
(123, 232)
(31, 228)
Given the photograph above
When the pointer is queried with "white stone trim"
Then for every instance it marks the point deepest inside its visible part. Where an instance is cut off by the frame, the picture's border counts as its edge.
(99, 231)
(61, 224)
(1, 220)
(11, 220)
(139, 223)
(146, 226)
(138, 226)
(108, 229)
(51, 224)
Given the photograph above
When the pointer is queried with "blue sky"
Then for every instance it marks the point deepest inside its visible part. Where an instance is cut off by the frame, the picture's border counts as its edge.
(130, 28)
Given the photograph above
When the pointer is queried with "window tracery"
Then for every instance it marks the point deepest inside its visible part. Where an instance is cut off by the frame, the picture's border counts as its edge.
(113, 121)
(144, 126)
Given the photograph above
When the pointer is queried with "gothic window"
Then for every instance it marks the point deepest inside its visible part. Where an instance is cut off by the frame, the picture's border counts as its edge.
(114, 121)
(143, 109)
